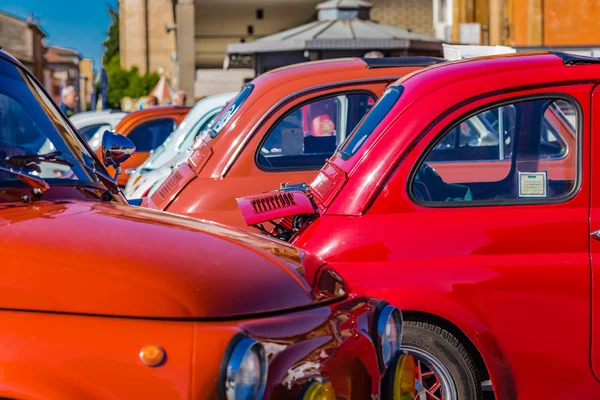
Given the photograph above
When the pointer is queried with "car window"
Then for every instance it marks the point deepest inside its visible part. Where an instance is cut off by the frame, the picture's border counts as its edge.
(206, 125)
(229, 110)
(31, 126)
(489, 136)
(370, 122)
(88, 131)
(149, 135)
(527, 150)
(308, 135)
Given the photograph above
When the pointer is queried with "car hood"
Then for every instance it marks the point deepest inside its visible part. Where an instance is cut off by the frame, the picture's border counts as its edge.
(105, 259)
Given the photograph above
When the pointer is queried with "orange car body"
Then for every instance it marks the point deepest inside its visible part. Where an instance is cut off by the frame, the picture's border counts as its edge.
(140, 120)
(226, 167)
(77, 312)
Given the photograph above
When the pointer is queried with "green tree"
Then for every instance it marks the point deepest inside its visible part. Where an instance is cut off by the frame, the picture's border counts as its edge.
(122, 82)
(111, 44)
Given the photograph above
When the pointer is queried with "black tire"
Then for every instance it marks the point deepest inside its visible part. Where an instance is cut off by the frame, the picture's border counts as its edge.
(446, 348)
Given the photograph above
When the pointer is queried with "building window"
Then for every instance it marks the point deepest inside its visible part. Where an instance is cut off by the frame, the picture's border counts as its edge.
(260, 14)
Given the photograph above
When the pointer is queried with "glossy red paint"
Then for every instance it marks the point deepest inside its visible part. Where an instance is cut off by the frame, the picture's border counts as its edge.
(226, 166)
(515, 280)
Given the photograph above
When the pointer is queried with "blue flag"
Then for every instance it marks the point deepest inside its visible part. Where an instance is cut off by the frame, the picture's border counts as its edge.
(104, 88)
(94, 97)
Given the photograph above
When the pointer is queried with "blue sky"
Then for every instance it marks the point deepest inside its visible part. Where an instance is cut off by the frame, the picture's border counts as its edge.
(77, 24)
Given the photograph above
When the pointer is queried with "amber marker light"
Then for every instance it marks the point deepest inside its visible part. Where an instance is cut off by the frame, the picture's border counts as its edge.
(152, 355)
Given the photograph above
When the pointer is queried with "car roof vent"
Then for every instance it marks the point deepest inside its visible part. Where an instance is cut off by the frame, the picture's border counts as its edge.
(574, 59)
(390, 62)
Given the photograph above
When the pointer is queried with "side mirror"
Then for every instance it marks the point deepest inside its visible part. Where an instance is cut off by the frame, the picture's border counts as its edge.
(116, 149)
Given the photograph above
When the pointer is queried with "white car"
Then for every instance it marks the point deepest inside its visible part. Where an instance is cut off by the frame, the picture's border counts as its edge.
(92, 124)
(176, 148)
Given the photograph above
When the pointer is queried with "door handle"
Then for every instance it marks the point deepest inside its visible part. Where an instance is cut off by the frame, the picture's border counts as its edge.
(595, 235)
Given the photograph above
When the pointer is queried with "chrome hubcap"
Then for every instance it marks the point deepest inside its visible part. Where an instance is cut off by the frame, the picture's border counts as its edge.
(433, 380)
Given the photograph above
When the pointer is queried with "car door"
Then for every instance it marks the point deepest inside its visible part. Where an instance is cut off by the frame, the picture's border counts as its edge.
(147, 135)
(595, 233)
(511, 251)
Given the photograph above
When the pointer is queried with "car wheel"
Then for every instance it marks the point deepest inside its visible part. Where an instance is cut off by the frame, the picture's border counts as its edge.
(444, 368)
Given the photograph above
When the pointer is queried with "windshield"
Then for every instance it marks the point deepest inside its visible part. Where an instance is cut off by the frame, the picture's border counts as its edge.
(370, 121)
(229, 111)
(201, 125)
(197, 120)
(31, 126)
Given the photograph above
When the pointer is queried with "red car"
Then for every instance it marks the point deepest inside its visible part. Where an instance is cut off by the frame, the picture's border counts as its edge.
(497, 267)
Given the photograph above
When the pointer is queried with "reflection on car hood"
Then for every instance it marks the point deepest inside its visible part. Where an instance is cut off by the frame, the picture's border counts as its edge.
(107, 259)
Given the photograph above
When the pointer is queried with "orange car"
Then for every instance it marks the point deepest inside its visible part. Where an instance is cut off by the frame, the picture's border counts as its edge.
(281, 127)
(101, 300)
(147, 129)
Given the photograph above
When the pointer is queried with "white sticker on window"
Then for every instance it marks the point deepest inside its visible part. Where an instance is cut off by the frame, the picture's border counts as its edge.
(292, 141)
(533, 184)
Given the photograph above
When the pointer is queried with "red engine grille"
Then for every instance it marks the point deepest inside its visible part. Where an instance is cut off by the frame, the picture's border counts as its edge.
(273, 202)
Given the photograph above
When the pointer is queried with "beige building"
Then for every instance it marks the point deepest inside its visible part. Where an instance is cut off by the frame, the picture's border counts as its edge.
(23, 39)
(187, 39)
(416, 15)
(146, 39)
(86, 82)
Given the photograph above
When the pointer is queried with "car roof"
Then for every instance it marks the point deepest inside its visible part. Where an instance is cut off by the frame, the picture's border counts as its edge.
(390, 62)
(336, 70)
(524, 69)
(167, 109)
(88, 118)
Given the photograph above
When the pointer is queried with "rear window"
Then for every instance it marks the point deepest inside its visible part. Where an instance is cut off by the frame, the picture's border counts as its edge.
(370, 122)
(229, 111)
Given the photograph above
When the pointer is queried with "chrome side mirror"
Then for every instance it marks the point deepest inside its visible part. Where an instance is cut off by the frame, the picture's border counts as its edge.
(116, 149)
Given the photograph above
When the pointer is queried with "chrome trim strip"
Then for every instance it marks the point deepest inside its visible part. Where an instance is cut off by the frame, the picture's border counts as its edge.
(252, 131)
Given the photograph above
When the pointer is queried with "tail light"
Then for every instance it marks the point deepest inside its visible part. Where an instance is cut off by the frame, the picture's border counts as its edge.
(327, 184)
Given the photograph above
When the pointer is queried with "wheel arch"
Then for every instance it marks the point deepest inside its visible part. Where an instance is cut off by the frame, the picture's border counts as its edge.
(454, 330)
(503, 384)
